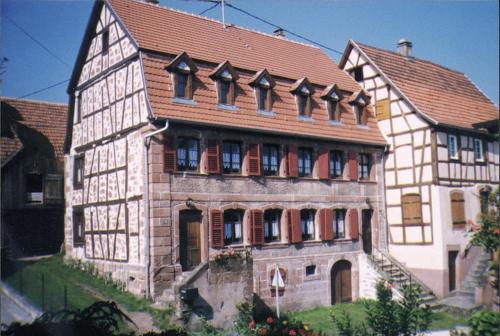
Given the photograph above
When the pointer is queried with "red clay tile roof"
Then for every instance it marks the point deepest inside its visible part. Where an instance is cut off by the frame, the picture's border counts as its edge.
(46, 118)
(445, 95)
(168, 32)
(9, 147)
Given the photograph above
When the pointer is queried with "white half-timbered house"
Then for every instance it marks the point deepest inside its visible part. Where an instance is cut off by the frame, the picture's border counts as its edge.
(442, 162)
(188, 137)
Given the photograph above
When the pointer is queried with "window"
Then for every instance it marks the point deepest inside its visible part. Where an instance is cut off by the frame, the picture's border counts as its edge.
(187, 154)
(412, 209)
(226, 78)
(484, 196)
(105, 41)
(264, 98)
(270, 159)
(263, 84)
(34, 188)
(364, 166)
(233, 227)
(303, 91)
(304, 161)
(272, 225)
(307, 224)
(231, 157)
(357, 72)
(79, 108)
(310, 270)
(225, 96)
(478, 150)
(333, 110)
(78, 225)
(339, 223)
(182, 85)
(457, 207)
(78, 172)
(182, 69)
(302, 104)
(452, 147)
(359, 110)
(336, 164)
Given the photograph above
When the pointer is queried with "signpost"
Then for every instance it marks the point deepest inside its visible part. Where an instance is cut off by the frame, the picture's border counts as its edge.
(277, 283)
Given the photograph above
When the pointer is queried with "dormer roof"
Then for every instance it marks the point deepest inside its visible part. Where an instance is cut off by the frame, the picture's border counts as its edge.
(183, 63)
(360, 98)
(224, 70)
(331, 92)
(303, 87)
(262, 78)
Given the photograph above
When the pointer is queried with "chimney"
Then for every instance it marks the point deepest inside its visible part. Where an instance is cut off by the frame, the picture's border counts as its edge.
(404, 47)
(279, 32)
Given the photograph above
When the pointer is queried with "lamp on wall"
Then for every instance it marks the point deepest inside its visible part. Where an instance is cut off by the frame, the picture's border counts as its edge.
(189, 203)
(368, 203)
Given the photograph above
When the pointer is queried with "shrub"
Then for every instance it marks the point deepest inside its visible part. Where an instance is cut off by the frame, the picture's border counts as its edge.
(484, 323)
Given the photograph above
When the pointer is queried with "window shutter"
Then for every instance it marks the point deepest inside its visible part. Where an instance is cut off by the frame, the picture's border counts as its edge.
(232, 93)
(294, 231)
(412, 209)
(353, 165)
(217, 228)
(326, 222)
(257, 227)
(253, 160)
(457, 207)
(323, 160)
(213, 154)
(292, 162)
(169, 155)
(364, 115)
(189, 86)
(353, 222)
(308, 107)
(269, 100)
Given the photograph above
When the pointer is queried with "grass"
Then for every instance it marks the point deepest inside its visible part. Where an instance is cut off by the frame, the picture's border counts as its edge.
(82, 288)
(319, 318)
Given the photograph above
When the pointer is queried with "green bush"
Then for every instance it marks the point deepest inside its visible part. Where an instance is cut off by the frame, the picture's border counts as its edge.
(484, 323)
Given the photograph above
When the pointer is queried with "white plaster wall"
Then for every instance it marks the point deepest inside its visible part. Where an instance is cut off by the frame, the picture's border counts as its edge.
(368, 278)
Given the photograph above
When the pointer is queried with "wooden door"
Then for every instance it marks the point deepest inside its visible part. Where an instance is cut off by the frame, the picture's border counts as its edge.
(452, 269)
(341, 282)
(190, 249)
(366, 233)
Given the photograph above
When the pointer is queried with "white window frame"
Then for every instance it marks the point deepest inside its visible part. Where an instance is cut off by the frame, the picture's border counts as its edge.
(478, 156)
(454, 155)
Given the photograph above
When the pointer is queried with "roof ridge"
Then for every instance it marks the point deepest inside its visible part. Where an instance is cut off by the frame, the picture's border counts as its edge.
(228, 25)
(4, 98)
(412, 57)
(481, 91)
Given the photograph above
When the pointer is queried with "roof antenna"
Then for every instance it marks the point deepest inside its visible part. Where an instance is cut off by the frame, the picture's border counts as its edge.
(223, 18)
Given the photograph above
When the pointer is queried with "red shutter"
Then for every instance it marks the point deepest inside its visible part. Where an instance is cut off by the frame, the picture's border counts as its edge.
(294, 230)
(353, 222)
(323, 159)
(213, 161)
(326, 223)
(217, 228)
(169, 155)
(254, 160)
(353, 165)
(292, 162)
(257, 218)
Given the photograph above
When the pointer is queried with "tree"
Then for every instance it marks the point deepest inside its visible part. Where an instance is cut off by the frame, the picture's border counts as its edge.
(488, 234)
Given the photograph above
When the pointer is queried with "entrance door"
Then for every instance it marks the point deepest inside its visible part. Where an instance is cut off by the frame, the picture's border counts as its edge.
(190, 249)
(452, 269)
(366, 233)
(341, 282)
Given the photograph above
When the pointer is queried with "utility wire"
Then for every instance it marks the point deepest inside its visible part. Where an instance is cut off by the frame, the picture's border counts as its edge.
(44, 89)
(38, 42)
(285, 30)
(209, 8)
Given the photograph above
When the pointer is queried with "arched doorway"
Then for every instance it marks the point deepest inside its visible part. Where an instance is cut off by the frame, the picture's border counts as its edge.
(341, 282)
(190, 242)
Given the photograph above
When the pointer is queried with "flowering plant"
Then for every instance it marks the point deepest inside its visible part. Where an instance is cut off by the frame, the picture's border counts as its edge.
(222, 257)
(284, 326)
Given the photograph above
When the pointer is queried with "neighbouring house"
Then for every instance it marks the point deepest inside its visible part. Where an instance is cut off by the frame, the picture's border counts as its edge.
(442, 163)
(188, 137)
(32, 168)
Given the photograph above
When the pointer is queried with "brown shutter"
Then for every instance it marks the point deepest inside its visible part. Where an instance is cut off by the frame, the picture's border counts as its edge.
(294, 231)
(213, 156)
(257, 220)
(323, 159)
(292, 162)
(189, 86)
(353, 222)
(169, 155)
(412, 209)
(326, 223)
(457, 207)
(308, 107)
(269, 99)
(217, 228)
(232, 93)
(254, 160)
(364, 115)
(353, 165)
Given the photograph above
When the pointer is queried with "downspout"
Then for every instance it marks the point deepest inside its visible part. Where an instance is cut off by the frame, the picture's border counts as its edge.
(147, 141)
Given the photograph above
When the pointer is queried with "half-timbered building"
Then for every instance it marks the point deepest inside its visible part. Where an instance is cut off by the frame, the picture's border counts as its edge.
(189, 137)
(442, 163)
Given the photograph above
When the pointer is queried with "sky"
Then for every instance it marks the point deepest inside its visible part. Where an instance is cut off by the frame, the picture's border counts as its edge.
(40, 39)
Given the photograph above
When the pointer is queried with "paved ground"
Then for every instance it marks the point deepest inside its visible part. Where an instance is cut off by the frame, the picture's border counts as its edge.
(11, 311)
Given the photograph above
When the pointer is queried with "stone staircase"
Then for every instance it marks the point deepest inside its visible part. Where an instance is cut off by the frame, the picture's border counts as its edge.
(393, 271)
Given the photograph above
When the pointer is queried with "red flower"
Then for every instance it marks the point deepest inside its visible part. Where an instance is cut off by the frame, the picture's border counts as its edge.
(269, 320)
(302, 332)
(251, 324)
(292, 333)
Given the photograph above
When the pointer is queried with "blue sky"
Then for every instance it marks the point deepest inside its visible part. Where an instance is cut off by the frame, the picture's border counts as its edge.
(462, 35)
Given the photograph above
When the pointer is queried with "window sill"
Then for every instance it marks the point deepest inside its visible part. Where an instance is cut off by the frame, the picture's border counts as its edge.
(228, 107)
(266, 113)
(183, 101)
(363, 126)
(335, 123)
(304, 118)
(454, 159)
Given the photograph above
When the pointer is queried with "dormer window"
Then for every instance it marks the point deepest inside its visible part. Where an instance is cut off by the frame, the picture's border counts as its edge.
(263, 85)
(332, 97)
(359, 102)
(182, 69)
(303, 91)
(225, 77)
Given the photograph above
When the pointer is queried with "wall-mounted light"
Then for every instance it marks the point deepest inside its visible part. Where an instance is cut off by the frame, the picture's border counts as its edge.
(189, 203)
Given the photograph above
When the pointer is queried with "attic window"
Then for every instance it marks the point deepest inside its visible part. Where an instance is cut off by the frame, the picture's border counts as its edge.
(332, 97)
(357, 73)
(263, 84)
(105, 41)
(359, 102)
(34, 188)
(225, 77)
(182, 69)
(303, 91)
